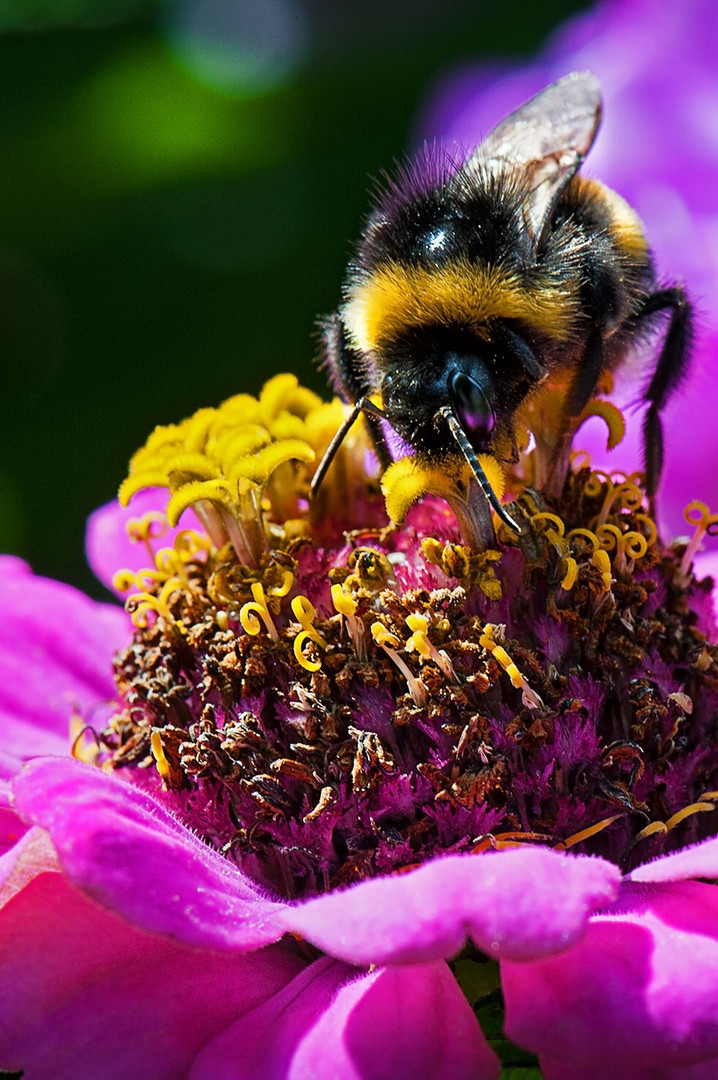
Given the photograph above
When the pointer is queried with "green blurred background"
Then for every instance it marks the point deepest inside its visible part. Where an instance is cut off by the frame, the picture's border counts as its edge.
(180, 185)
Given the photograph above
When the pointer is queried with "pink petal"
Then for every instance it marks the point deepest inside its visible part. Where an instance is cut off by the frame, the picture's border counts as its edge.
(85, 996)
(698, 861)
(56, 649)
(520, 903)
(639, 991)
(11, 826)
(561, 1070)
(706, 565)
(116, 843)
(109, 548)
(398, 1023)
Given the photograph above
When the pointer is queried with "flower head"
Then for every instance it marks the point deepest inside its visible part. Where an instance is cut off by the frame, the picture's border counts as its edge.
(345, 749)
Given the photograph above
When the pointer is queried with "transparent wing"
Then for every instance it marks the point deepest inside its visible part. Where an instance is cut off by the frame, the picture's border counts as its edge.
(546, 139)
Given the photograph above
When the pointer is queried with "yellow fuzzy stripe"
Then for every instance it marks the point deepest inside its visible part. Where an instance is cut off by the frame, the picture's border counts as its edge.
(396, 298)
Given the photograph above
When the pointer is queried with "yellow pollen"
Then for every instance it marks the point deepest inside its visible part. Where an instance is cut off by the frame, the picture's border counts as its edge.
(419, 642)
(346, 606)
(488, 642)
(158, 752)
(255, 610)
(409, 479)
(344, 603)
(390, 643)
(305, 614)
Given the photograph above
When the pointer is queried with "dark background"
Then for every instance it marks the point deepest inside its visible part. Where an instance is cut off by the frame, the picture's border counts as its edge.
(174, 215)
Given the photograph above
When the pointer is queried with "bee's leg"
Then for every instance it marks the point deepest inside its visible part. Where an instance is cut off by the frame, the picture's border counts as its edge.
(348, 378)
(670, 369)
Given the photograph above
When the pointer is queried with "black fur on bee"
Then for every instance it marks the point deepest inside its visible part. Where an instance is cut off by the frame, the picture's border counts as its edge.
(476, 284)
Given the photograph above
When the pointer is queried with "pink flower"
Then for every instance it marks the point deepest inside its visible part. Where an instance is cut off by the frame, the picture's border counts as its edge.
(658, 148)
(220, 898)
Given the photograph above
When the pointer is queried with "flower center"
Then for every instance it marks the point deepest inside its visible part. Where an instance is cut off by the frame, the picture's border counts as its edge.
(322, 710)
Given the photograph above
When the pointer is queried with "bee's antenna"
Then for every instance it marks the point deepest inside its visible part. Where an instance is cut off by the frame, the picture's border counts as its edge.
(475, 465)
(363, 405)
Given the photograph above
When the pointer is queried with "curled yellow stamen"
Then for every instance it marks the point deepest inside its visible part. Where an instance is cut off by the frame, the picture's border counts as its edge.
(150, 526)
(283, 589)
(555, 530)
(487, 641)
(85, 745)
(139, 605)
(651, 532)
(570, 573)
(660, 828)
(612, 417)
(346, 605)
(627, 493)
(158, 752)
(305, 614)
(595, 483)
(390, 643)
(585, 534)
(705, 524)
(629, 544)
(255, 610)
(419, 641)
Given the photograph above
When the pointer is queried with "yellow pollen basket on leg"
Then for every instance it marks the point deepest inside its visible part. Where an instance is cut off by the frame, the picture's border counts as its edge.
(409, 479)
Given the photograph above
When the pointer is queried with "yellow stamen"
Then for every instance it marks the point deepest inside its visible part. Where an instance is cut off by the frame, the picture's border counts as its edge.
(158, 752)
(390, 643)
(346, 605)
(612, 416)
(586, 834)
(530, 698)
(571, 573)
(705, 524)
(419, 641)
(140, 604)
(585, 534)
(554, 535)
(305, 614)
(689, 811)
(234, 465)
(626, 544)
(150, 526)
(255, 610)
(704, 805)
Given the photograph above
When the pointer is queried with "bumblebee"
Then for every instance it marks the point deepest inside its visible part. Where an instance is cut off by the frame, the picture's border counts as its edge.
(478, 285)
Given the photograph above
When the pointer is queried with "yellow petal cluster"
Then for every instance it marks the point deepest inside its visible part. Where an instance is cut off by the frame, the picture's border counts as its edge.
(239, 466)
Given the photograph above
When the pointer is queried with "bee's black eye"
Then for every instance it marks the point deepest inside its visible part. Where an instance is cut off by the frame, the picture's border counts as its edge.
(471, 407)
